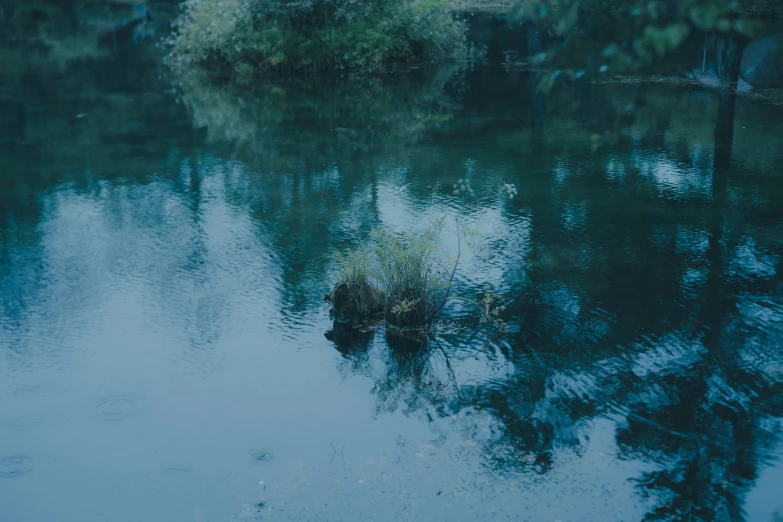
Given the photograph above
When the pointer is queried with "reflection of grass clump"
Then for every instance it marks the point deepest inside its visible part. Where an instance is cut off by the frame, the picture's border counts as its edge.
(411, 275)
(316, 34)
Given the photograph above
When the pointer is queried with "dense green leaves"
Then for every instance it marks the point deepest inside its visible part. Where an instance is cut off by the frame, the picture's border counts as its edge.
(343, 35)
(600, 36)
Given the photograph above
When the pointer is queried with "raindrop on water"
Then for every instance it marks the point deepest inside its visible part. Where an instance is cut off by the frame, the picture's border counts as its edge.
(117, 406)
(15, 466)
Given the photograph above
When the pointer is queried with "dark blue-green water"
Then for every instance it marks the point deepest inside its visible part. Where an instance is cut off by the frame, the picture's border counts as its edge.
(164, 250)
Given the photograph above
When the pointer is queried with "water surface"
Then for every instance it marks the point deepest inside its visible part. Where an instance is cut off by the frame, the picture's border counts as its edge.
(164, 250)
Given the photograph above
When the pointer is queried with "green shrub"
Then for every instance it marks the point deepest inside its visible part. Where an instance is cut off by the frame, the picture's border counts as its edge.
(315, 34)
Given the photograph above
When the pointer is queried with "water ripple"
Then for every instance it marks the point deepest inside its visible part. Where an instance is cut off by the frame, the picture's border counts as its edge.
(117, 407)
(15, 466)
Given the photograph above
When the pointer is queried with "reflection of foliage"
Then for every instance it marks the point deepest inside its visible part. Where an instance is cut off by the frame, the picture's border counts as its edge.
(621, 311)
(328, 122)
(407, 378)
(315, 148)
(315, 34)
(76, 120)
(666, 318)
(39, 32)
(592, 38)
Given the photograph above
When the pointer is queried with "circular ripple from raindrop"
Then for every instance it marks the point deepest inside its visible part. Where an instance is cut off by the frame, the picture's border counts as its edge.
(262, 455)
(117, 407)
(16, 466)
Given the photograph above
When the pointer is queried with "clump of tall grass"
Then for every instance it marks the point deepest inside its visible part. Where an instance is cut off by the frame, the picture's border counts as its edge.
(353, 264)
(413, 276)
(355, 298)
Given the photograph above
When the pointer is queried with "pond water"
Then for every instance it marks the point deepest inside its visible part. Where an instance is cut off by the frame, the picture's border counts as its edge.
(165, 350)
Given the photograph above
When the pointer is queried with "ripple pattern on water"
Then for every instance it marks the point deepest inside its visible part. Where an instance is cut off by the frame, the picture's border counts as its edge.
(117, 407)
(262, 455)
(644, 285)
(15, 466)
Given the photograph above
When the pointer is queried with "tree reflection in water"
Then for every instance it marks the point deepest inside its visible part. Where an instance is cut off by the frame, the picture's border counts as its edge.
(662, 317)
(645, 278)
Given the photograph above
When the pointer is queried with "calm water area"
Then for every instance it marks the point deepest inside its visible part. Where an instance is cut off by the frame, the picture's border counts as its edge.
(166, 353)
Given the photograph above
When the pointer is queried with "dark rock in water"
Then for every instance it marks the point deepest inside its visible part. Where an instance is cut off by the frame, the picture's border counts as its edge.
(355, 302)
(762, 63)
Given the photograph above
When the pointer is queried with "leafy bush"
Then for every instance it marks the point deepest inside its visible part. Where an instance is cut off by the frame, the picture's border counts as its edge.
(593, 36)
(315, 34)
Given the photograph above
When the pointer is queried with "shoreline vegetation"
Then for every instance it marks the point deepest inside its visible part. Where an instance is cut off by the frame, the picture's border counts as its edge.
(243, 39)
(247, 37)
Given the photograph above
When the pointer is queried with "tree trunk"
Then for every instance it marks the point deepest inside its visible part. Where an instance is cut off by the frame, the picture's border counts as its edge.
(728, 56)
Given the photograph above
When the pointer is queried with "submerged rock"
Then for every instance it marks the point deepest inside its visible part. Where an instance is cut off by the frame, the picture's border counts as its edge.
(762, 63)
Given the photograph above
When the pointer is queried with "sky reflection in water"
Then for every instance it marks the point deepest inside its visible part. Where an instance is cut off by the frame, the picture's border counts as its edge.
(162, 347)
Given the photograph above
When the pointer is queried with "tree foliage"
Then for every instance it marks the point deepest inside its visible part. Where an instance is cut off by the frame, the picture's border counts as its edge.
(315, 35)
(610, 36)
